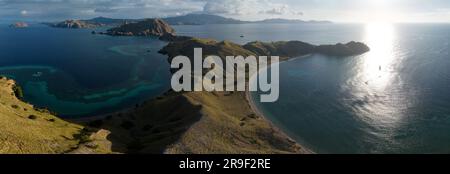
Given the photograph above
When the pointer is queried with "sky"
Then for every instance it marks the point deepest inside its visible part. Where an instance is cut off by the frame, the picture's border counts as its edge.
(333, 10)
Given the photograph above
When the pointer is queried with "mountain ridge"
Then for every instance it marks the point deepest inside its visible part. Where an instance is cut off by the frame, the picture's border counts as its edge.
(189, 19)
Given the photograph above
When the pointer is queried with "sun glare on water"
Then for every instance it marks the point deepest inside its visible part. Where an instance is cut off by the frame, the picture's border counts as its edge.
(375, 75)
(378, 62)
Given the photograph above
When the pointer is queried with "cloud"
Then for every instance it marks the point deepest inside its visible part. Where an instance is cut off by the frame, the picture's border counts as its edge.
(106, 10)
(281, 9)
(241, 9)
(64, 9)
(249, 8)
(229, 7)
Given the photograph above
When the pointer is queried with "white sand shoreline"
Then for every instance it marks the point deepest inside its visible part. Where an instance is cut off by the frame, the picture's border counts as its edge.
(255, 109)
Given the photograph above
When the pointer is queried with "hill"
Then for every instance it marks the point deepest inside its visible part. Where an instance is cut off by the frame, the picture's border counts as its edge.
(25, 129)
(284, 49)
(148, 27)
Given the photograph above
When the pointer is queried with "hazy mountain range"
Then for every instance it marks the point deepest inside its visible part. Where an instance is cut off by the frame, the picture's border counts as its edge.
(195, 19)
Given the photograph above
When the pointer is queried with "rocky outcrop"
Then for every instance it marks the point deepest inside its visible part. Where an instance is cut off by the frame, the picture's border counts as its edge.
(149, 27)
(19, 25)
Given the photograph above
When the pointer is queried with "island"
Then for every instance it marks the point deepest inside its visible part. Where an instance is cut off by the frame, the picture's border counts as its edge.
(147, 28)
(90, 23)
(19, 25)
(75, 24)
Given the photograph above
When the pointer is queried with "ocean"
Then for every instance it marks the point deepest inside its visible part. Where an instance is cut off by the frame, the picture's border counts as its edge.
(393, 99)
(76, 74)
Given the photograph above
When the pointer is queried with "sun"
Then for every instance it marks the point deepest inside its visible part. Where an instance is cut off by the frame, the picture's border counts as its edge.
(382, 11)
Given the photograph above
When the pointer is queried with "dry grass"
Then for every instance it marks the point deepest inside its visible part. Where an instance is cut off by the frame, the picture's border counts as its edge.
(25, 130)
(228, 125)
(195, 122)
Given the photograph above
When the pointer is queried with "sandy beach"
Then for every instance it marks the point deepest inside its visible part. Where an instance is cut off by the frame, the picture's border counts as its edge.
(255, 109)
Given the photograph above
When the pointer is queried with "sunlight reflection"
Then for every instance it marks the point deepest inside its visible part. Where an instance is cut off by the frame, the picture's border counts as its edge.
(380, 38)
(372, 97)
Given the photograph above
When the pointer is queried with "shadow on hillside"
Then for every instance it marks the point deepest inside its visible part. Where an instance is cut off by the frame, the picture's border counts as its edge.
(150, 127)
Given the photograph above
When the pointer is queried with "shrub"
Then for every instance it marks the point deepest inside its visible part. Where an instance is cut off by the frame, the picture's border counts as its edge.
(32, 117)
(15, 106)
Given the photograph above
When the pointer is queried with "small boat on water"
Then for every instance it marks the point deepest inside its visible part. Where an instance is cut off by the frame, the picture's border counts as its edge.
(37, 74)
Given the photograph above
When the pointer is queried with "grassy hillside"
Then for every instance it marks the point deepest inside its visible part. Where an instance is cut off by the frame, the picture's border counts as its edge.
(193, 122)
(24, 129)
(283, 49)
(196, 122)
(228, 125)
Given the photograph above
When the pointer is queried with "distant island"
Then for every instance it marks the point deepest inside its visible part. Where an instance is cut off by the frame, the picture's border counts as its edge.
(189, 19)
(291, 21)
(90, 23)
(74, 24)
(201, 19)
(19, 25)
(148, 27)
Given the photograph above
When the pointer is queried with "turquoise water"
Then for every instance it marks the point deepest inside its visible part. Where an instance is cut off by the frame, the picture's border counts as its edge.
(393, 99)
(75, 73)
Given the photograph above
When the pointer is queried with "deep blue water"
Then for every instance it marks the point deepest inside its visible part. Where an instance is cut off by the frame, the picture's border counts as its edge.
(75, 73)
(393, 99)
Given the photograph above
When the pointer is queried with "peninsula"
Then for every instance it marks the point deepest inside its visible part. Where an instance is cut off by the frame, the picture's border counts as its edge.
(283, 49)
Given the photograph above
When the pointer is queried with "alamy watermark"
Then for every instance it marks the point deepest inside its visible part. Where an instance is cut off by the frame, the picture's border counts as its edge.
(238, 74)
